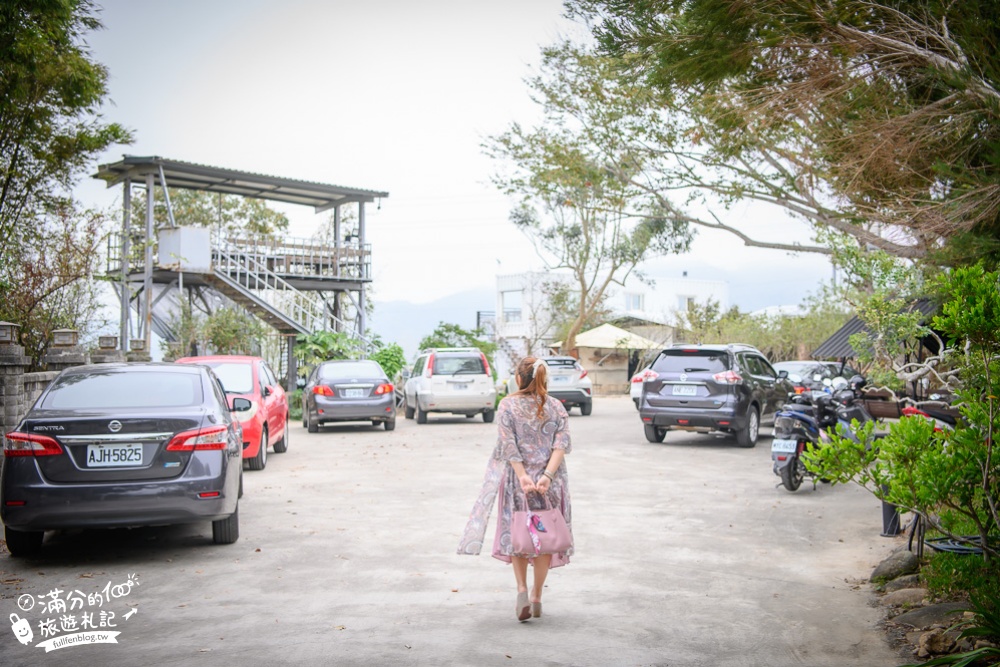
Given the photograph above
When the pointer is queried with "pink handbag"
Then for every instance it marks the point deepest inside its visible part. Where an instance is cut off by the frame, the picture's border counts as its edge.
(539, 532)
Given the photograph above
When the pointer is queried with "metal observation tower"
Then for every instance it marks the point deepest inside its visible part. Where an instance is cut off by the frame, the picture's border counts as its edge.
(295, 285)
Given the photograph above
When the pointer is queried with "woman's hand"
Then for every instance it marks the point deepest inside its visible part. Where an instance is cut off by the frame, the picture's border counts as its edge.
(543, 484)
(527, 484)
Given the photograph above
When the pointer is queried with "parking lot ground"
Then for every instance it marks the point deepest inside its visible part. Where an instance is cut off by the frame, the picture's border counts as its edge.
(687, 554)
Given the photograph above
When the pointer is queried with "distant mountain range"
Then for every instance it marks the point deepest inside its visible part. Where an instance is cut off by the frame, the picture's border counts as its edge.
(407, 323)
(777, 286)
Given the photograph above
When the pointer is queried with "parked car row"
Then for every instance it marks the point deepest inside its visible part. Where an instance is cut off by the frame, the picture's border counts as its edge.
(140, 444)
(158, 443)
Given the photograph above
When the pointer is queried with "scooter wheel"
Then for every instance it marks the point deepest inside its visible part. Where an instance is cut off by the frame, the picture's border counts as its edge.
(792, 475)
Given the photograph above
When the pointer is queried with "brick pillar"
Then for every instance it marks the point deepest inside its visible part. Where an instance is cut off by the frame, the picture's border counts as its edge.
(60, 358)
(12, 365)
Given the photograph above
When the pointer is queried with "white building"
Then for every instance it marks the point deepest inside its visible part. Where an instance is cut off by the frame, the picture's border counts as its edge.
(523, 322)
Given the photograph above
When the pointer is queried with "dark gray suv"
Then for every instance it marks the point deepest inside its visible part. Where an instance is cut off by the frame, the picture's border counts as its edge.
(711, 388)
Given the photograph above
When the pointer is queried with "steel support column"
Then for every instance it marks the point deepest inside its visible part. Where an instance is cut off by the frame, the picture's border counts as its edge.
(147, 311)
(362, 325)
(126, 294)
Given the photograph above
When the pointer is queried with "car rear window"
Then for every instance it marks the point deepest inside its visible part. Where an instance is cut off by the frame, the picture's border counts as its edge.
(685, 361)
(568, 364)
(235, 378)
(349, 370)
(131, 389)
(455, 365)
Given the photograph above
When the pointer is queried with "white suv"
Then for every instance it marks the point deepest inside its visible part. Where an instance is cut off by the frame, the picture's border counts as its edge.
(450, 379)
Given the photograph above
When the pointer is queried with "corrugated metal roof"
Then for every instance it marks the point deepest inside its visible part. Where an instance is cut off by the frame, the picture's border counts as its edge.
(191, 176)
(838, 345)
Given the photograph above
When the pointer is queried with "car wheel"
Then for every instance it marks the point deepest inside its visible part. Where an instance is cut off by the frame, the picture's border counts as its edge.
(488, 416)
(654, 433)
(240, 494)
(258, 462)
(23, 543)
(421, 416)
(305, 415)
(227, 531)
(281, 446)
(408, 411)
(586, 408)
(636, 401)
(312, 428)
(390, 424)
(376, 422)
(747, 436)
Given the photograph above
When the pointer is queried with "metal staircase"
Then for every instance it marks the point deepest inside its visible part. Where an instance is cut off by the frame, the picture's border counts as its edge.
(242, 273)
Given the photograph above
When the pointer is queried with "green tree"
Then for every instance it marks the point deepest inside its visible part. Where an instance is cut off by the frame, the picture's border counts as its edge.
(574, 177)
(391, 358)
(951, 478)
(319, 346)
(452, 335)
(51, 94)
(876, 119)
(233, 214)
(50, 278)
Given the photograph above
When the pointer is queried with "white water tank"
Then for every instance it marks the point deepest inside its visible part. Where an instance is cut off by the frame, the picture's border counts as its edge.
(187, 249)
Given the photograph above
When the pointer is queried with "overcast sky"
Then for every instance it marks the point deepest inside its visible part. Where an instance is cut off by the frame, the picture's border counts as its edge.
(385, 95)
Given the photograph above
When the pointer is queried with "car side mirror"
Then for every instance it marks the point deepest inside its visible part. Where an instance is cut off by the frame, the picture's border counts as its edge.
(405, 373)
(267, 392)
(783, 375)
(241, 404)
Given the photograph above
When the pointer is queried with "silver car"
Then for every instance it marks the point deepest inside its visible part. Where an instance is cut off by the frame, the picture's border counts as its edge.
(342, 391)
(450, 379)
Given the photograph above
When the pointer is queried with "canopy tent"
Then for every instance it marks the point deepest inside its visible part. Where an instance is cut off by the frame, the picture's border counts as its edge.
(610, 337)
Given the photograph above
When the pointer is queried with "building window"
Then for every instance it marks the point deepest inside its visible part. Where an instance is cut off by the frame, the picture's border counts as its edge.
(511, 301)
(634, 302)
(685, 303)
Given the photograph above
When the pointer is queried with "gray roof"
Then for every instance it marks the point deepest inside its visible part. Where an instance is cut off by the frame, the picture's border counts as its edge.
(838, 345)
(191, 176)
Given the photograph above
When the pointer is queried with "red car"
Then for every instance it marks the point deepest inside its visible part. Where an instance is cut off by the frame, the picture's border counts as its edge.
(266, 423)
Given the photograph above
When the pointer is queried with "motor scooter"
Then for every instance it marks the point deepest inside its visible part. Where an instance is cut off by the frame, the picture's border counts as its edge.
(807, 420)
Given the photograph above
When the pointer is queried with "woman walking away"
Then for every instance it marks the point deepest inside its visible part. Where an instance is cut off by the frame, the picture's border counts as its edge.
(526, 467)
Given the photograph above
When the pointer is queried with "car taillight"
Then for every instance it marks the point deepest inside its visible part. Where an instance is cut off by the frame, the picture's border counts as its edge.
(583, 373)
(429, 369)
(31, 444)
(213, 437)
(386, 388)
(486, 364)
(322, 390)
(728, 377)
(646, 375)
(800, 390)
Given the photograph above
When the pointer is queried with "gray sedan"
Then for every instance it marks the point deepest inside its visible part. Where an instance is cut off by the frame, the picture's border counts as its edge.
(339, 391)
(117, 445)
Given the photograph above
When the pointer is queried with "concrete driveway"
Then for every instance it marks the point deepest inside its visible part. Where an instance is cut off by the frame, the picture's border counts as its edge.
(687, 554)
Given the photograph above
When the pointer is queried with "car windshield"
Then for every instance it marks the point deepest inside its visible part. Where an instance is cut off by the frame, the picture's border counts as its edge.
(691, 361)
(235, 378)
(455, 365)
(129, 389)
(349, 370)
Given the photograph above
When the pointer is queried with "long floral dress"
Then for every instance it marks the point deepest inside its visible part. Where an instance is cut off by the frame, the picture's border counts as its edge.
(522, 436)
